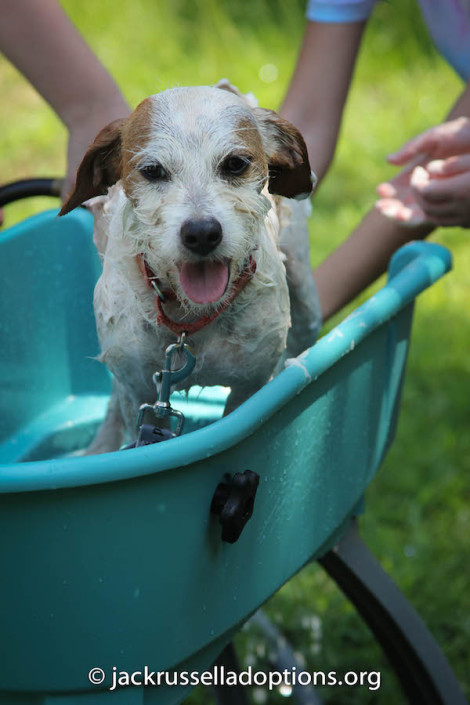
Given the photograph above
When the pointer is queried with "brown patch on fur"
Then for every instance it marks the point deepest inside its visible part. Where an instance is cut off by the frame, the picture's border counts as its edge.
(135, 137)
(249, 135)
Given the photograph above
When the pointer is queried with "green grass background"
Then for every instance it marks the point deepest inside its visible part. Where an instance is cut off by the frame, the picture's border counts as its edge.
(418, 513)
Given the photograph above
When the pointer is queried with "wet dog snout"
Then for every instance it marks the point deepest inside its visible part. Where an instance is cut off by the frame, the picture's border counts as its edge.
(201, 236)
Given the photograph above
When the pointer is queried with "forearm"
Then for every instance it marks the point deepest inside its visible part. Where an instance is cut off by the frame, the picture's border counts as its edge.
(360, 259)
(39, 39)
(319, 86)
(462, 105)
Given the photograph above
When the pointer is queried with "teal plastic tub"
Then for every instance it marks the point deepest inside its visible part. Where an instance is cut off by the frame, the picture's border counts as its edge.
(115, 560)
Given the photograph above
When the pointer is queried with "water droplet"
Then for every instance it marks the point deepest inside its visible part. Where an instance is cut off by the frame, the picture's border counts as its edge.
(259, 696)
(261, 650)
(250, 660)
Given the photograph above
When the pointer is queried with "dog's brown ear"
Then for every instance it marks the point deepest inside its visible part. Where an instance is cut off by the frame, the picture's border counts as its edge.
(290, 174)
(100, 167)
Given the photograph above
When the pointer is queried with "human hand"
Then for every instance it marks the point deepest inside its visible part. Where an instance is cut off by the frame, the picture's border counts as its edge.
(399, 199)
(435, 188)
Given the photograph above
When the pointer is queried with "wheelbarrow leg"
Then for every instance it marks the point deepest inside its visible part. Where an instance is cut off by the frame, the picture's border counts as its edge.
(421, 667)
(233, 694)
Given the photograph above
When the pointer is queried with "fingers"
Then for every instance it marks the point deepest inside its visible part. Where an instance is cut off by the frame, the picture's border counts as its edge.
(452, 187)
(417, 148)
(449, 167)
(446, 215)
(441, 202)
(453, 221)
(404, 195)
(441, 141)
(386, 190)
(443, 209)
(398, 184)
(398, 199)
(419, 178)
(451, 211)
(394, 209)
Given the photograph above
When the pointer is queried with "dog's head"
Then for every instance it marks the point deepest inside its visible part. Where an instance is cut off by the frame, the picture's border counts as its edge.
(193, 163)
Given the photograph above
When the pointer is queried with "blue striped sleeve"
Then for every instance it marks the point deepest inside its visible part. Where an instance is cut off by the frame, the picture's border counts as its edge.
(339, 10)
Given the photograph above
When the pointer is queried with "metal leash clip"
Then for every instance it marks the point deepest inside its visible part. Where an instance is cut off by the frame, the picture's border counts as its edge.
(158, 291)
(164, 381)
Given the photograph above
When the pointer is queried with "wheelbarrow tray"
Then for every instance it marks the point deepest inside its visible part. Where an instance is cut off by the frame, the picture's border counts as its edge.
(116, 560)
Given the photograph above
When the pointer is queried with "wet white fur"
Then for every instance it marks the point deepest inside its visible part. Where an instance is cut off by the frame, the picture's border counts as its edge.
(192, 130)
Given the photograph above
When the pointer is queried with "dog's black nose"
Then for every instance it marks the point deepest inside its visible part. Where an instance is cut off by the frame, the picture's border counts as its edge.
(201, 236)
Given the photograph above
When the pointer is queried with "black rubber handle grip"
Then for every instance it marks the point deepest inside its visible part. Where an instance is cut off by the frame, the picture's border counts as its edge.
(26, 188)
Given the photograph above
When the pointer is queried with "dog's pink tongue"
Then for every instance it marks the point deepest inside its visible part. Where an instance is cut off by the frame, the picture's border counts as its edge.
(204, 282)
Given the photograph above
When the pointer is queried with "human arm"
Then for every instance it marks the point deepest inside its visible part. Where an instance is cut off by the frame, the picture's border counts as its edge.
(319, 86)
(360, 260)
(39, 39)
(364, 256)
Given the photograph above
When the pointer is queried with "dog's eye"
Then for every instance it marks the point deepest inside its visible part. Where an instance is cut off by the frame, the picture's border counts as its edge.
(235, 166)
(154, 172)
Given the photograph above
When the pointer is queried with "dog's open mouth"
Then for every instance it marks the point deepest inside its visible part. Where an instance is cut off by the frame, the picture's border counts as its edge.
(204, 282)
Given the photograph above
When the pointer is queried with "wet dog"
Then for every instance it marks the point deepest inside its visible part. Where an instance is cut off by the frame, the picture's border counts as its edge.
(199, 184)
